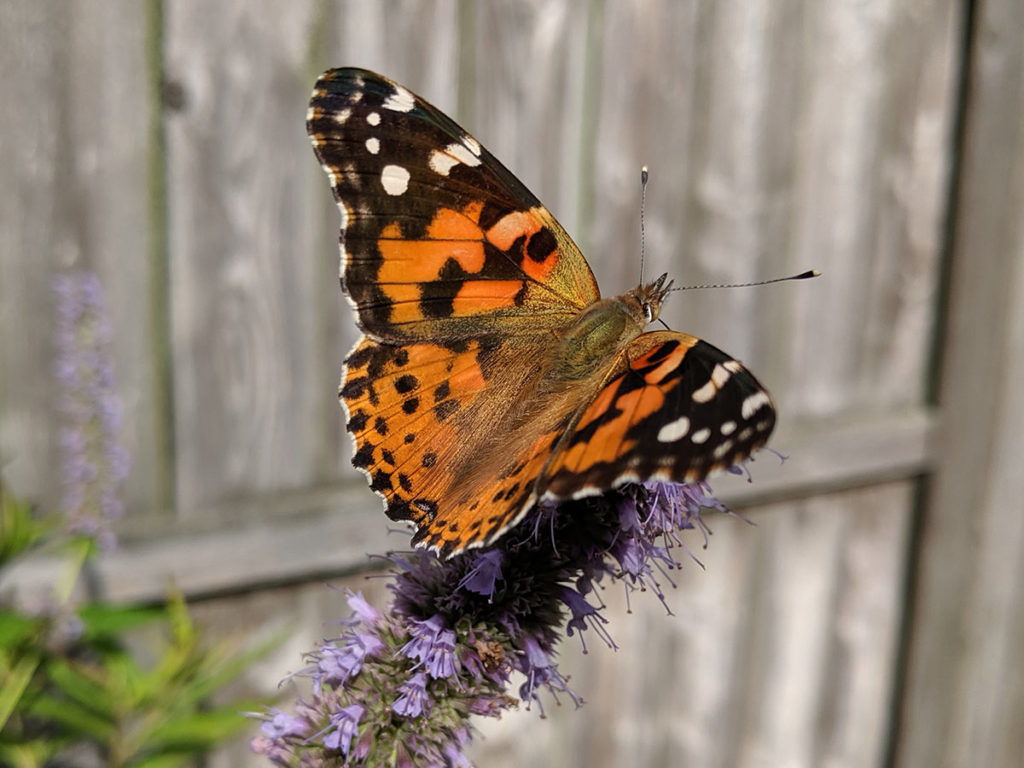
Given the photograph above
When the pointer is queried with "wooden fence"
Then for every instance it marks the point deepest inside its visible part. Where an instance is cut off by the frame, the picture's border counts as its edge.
(875, 614)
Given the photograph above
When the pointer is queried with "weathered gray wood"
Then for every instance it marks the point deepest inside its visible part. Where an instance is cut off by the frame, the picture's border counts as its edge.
(73, 148)
(254, 381)
(526, 83)
(964, 703)
(781, 137)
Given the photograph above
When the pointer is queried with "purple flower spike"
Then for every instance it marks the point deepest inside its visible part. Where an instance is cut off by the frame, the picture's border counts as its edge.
(433, 646)
(364, 612)
(399, 687)
(94, 465)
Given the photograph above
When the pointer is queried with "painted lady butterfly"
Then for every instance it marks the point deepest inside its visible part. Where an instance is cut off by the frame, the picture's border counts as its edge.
(491, 373)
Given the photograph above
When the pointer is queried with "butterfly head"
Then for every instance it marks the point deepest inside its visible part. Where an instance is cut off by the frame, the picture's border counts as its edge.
(645, 300)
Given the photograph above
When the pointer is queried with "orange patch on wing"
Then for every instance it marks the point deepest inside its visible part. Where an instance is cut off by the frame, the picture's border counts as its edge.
(609, 441)
(665, 367)
(457, 225)
(469, 379)
(450, 235)
(420, 261)
(405, 303)
(406, 442)
(525, 224)
(485, 295)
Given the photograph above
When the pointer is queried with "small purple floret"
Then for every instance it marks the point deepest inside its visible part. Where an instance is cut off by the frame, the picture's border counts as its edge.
(414, 698)
(345, 725)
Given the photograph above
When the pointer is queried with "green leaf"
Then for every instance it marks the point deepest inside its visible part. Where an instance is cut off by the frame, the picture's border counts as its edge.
(72, 719)
(14, 684)
(162, 760)
(83, 684)
(105, 621)
(199, 731)
(20, 530)
(17, 629)
(31, 753)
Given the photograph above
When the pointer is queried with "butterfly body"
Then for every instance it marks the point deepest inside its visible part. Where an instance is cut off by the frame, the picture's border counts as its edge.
(491, 374)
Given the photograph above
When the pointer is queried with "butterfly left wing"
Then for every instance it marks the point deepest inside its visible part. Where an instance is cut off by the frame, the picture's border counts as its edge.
(440, 242)
(673, 408)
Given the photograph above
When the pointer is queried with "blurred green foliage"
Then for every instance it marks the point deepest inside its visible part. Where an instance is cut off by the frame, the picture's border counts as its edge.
(73, 688)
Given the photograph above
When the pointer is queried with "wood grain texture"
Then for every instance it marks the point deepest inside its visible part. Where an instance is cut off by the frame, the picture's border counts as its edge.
(526, 92)
(254, 399)
(965, 695)
(73, 146)
(783, 136)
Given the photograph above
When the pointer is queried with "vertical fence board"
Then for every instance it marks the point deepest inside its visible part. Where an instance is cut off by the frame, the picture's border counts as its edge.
(253, 394)
(73, 146)
(526, 99)
(965, 692)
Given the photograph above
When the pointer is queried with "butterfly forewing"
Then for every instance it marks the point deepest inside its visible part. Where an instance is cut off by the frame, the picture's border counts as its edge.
(440, 241)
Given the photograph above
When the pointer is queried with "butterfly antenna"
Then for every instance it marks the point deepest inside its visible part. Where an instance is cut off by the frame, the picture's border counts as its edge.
(643, 201)
(802, 276)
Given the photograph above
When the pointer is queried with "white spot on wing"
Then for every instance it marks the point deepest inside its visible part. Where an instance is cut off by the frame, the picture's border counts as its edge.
(472, 144)
(705, 393)
(701, 435)
(722, 449)
(728, 427)
(373, 145)
(342, 115)
(674, 430)
(733, 366)
(753, 403)
(400, 101)
(719, 375)
(442, 161)
(394, 179)
(373, 118)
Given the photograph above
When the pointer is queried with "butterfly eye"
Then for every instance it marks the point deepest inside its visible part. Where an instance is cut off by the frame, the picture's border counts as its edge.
(648, 312)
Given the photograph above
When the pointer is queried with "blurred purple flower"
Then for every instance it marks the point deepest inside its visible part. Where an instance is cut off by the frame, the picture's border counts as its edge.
(94, 465)
(282, 724)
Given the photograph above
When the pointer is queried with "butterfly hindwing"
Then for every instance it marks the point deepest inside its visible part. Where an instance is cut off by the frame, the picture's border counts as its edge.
(675, 409)
(440, 241)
